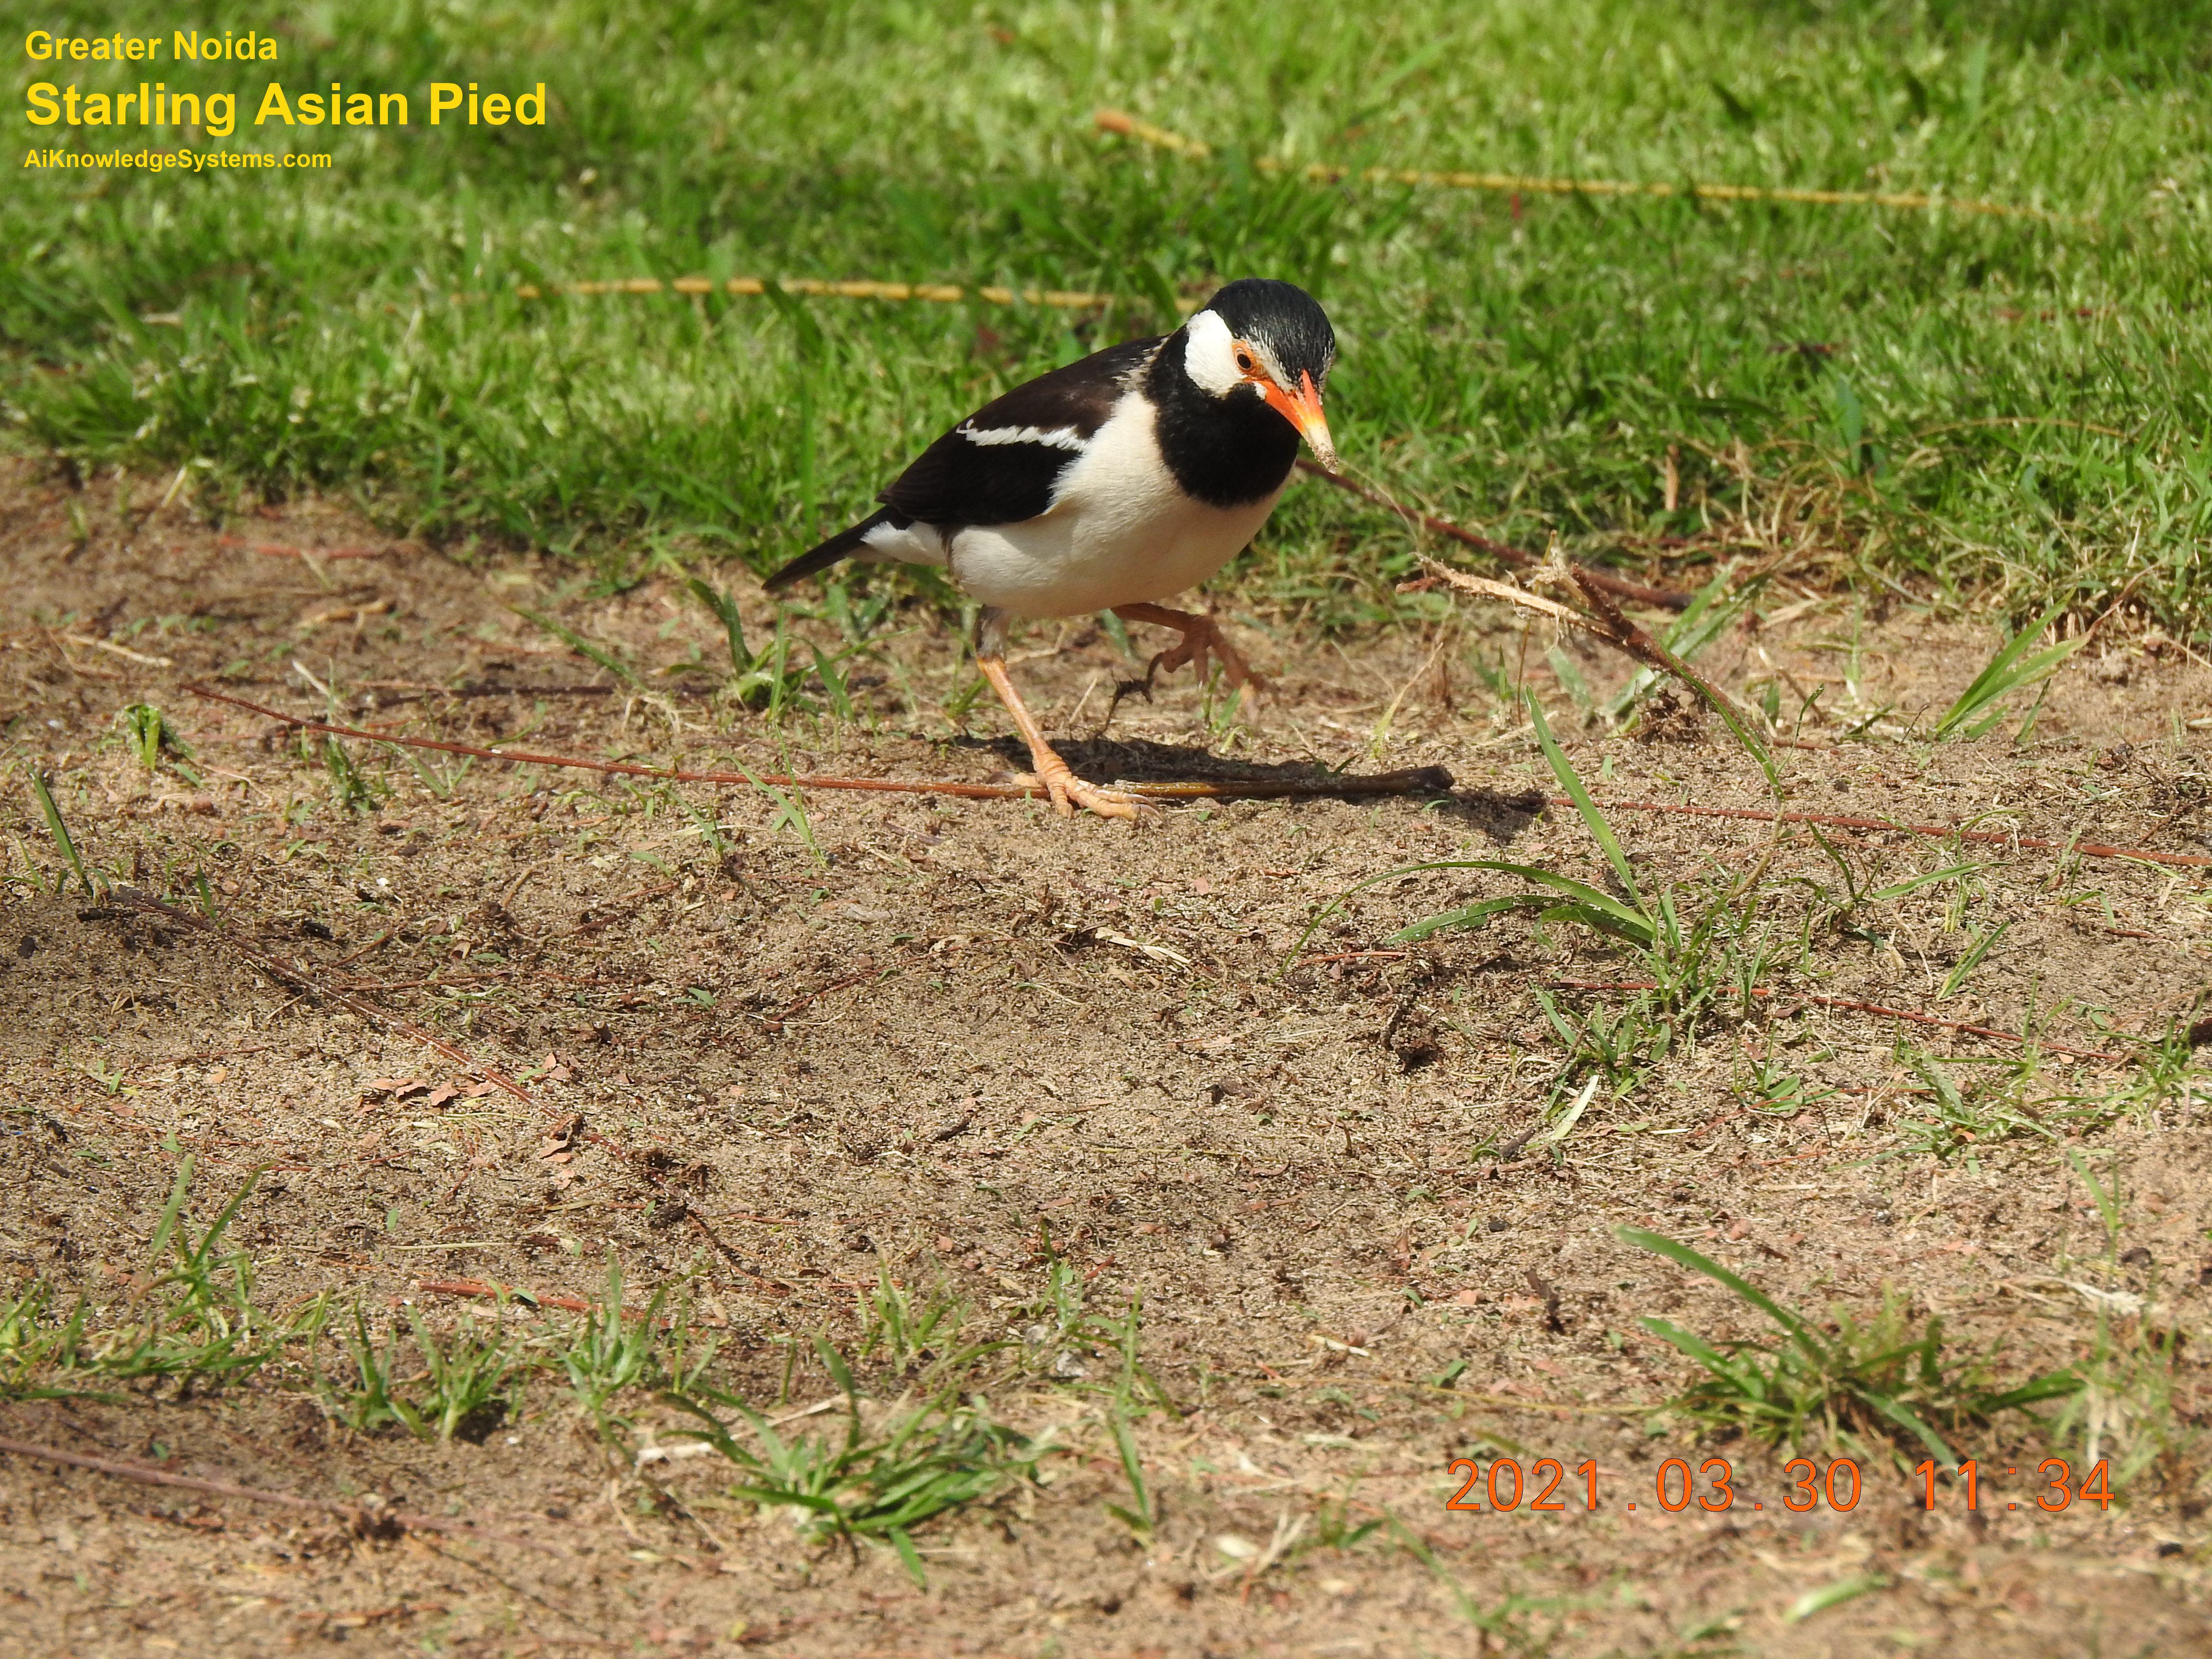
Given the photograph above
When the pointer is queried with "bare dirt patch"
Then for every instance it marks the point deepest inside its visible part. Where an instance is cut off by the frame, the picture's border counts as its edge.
(774, 1058)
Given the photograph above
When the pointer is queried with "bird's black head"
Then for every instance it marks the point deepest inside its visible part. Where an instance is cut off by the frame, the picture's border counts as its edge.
(1273, 339)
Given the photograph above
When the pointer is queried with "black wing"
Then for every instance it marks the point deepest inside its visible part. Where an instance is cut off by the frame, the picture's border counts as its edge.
(1000, 464)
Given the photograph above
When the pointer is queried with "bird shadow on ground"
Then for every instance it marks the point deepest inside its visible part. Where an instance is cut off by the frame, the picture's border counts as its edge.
(1110, 760)
(1501, 817)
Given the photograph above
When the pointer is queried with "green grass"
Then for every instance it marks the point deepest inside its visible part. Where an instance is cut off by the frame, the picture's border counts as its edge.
(917, 1437)
(190, 1322)
(920, 1439)
(1526, 369)
(1698, 943)
(1886, 1380)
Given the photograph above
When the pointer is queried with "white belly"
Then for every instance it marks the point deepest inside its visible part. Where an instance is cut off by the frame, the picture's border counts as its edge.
(1118, 532)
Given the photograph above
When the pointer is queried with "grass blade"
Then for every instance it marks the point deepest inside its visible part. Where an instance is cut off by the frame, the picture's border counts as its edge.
(1912, 1423)
(1900, 889)
(726, 609)
(1684, 1256)
(1133, 1469)
(166, 1228)
(600, 654)
(1467, 915)
(1835, 1595)
(1694, 1346)
(907, 1553)
(1633, 923)
(1983, 943)
(1571, 781)
(58, 829)
(2009, 670)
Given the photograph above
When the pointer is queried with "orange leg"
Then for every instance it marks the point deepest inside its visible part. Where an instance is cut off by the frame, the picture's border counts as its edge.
(1067, 791)
(1201, 637)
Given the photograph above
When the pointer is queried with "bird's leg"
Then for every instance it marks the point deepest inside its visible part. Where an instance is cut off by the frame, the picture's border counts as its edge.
(1067, 791)
(1202, 636)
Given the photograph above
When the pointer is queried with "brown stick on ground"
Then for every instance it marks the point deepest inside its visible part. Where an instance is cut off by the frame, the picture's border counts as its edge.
(131, 898)
(1886, 1013)
(2093, 849)
(1420, 781)
(1667, 597)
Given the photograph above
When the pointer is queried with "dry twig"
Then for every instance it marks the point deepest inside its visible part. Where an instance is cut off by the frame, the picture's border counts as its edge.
(131, 898)
(1990, 1031)
(1332, 173)
(1420, 781)
(2092, 849)
(1667, 598)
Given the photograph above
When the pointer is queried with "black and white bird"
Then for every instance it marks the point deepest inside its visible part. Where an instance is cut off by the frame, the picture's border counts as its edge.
(1111, 484)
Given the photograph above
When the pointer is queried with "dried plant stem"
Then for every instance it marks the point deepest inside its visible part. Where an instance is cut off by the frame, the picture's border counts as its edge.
(132, 898)
(1886, 1013)
(1630, 636)
(1332, 173)
(1420, 781)
(947, 294)
(1666, 597)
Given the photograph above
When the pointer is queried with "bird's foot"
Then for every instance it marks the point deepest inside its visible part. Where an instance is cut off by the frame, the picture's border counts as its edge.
(1069, 792)
(1203, 642)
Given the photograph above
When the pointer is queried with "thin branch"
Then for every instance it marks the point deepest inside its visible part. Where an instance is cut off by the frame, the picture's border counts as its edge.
(1517, 184)
(1666, 597)
(1632, 638)
(1827, 820)
(131, 898)
(1419, 780)
(1886, 1013)
(934, 293)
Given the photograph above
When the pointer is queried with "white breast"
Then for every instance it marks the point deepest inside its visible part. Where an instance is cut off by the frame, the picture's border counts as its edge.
(1119, 531)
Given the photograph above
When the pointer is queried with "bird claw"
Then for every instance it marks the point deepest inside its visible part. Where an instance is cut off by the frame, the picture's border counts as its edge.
(1201, 642)
(1069, 792)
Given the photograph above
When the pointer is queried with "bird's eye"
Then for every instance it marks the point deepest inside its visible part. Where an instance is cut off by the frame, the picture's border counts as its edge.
(1244, 362)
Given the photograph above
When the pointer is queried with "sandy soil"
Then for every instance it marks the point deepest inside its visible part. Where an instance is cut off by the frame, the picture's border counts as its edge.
(952, 1043)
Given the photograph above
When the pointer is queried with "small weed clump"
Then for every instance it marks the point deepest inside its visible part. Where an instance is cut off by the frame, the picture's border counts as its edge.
(1687, 958)
(918, 1441)
(192, 1320)
(934, 1445)
(467, 1384)
(1862, 1382)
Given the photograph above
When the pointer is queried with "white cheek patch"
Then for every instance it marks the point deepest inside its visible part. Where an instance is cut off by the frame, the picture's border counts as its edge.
(1209, 355)
(1058, 437)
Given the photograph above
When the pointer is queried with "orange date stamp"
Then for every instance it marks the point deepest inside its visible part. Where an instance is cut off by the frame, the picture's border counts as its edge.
(1549, 1486)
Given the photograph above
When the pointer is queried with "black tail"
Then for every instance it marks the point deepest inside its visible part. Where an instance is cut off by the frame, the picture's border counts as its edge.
(840, 545)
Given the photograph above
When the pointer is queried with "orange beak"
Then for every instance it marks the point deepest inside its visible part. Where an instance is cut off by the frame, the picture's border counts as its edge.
(1302, 408)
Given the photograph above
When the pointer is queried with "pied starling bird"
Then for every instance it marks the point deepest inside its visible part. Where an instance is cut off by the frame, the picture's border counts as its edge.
(1111, 484)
